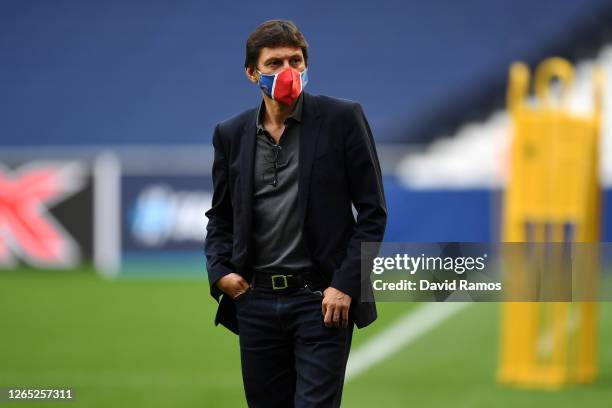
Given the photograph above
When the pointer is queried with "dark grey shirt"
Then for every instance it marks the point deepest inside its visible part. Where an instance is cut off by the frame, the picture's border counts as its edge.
(278, 242)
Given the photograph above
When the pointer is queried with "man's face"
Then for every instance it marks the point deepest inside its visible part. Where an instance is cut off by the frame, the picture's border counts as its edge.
(273, 60)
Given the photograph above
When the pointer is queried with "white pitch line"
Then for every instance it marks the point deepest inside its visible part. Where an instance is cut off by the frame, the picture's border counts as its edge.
(406, 330)
(382, 345)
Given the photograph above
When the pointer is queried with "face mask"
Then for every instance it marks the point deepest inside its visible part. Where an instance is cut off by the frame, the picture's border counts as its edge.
(285, 86)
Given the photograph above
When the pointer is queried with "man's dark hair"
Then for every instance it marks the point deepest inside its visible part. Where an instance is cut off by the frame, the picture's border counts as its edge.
(271, 34)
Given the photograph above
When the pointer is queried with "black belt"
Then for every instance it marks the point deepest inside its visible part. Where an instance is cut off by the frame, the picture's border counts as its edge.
(282, 281)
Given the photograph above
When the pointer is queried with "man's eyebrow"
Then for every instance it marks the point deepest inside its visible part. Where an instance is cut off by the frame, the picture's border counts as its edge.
(297, 55)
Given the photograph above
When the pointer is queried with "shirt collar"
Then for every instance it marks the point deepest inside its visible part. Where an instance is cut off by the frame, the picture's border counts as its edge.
(295, 115)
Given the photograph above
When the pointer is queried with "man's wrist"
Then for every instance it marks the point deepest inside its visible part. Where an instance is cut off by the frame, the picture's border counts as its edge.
(340, 292)
(216, 287)
(351, 291)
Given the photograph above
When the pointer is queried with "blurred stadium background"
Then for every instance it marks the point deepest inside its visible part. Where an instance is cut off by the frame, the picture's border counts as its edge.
(106, 118)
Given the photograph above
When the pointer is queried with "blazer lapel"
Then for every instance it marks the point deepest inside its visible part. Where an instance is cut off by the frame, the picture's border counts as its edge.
(247, 160)
(308, 142)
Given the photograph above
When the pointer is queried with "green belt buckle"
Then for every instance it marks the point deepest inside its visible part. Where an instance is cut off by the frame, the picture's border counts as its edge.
(284, 284)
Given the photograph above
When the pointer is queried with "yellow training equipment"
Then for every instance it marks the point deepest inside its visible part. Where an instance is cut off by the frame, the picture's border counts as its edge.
(553, 195)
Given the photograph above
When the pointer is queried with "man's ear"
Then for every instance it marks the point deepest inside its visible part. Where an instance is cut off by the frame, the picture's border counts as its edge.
(252, 74)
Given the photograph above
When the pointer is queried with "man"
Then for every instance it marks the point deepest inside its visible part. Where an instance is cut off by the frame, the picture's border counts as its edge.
(283, 246)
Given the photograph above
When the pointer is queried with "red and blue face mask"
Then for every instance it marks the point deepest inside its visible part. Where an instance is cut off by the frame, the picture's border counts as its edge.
(285, 86)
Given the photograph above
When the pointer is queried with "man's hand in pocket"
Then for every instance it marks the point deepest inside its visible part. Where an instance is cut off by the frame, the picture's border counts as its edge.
(232, 285)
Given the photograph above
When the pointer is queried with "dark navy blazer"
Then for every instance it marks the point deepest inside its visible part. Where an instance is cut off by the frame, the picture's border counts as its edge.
(338, 165)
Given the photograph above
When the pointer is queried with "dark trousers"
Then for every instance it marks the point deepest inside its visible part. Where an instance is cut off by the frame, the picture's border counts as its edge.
(289, 358)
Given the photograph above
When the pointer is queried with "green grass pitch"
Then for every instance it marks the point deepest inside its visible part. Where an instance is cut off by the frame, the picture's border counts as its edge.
(150, 342)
